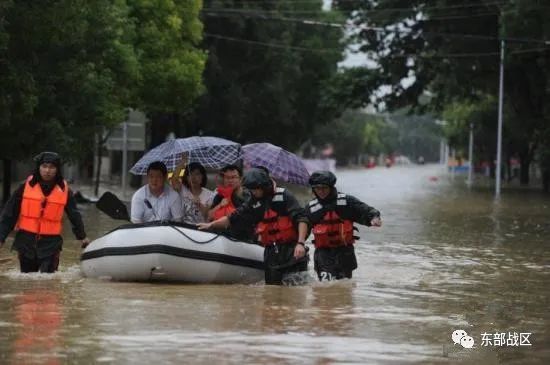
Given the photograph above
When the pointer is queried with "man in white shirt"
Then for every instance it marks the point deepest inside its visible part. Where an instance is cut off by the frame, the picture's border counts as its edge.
(156, 201)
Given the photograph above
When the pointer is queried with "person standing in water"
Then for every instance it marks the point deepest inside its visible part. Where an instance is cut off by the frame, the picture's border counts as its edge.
(36, 208)
(332, 215)
(281, 225)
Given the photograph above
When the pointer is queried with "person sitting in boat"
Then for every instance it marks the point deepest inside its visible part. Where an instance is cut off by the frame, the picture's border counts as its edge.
(156, 201)
(281, 225)
(332, 215)
(196, 199)
(230, 195)
(37, 208)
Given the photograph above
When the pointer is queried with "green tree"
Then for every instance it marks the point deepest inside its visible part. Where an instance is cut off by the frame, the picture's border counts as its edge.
(265, 76)
(71, 68)
(459, 116)
(424, 41)
(346, 134)
(418, 135)
(167, 36)
(68, 69)
(356, 133)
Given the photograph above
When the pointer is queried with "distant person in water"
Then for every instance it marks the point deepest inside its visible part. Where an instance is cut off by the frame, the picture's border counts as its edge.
(156, 201)
(36, 210)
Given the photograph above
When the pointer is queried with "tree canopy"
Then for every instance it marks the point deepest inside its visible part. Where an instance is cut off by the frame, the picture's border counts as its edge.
(266, 76)
(450, 52)
(69, 68)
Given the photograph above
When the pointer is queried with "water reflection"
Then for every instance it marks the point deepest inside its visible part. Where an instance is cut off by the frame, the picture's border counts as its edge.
(282, 309)
(447, 258)
(331, 305)
(39, 315)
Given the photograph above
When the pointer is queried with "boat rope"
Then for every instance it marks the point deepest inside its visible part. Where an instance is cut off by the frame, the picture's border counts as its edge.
(192, 239)
(175, 225)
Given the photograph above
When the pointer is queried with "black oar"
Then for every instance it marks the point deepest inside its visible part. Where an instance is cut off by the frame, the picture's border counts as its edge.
(112, 206)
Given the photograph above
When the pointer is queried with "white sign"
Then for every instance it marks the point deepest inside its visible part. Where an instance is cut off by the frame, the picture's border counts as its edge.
(135, 137)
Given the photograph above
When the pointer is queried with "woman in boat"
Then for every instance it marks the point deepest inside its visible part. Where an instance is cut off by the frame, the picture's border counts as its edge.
(195, 197)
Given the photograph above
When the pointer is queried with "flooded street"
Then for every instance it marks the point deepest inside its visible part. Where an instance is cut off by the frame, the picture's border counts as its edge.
(445, 259)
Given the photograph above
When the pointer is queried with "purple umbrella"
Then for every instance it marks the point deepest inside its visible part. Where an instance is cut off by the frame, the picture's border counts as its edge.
(282, 164)
(211, 152)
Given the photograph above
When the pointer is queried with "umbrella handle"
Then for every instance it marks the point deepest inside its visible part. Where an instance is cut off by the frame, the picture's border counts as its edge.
(175, 181)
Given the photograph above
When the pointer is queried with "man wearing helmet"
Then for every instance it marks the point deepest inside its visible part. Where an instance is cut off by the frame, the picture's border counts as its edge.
(281, 225)
(332, 215)
(37, 208)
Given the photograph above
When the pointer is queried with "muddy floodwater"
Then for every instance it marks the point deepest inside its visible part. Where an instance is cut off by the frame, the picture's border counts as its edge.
(447, 258)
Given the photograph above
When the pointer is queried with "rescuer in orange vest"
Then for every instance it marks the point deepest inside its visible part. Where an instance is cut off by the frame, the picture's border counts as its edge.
(332, 215)
(281, 225)
(36, 211)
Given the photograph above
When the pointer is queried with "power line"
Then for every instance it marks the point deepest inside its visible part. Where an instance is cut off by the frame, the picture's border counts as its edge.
(273, 45)
(468, 55)
(395, 31)
(267, 11)
(264, 17)
(261, 12)
(335, 50)
(464, 16)
(461, 6)
(530, 50)
(448, 55)
(374, 10)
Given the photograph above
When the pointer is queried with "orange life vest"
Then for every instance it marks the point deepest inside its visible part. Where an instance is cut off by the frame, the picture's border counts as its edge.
(332, 231)
(275, 228)
(226, 193)
(42, 214)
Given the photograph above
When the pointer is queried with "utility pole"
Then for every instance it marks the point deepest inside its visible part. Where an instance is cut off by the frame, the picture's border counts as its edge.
(124, 157)
(471, 155)
(442, 151)
(499, 132)
(454, 164)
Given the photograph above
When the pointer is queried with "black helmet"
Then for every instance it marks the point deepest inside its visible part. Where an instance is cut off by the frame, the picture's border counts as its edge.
(48, 157)
(256, 178)
(322, 178)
